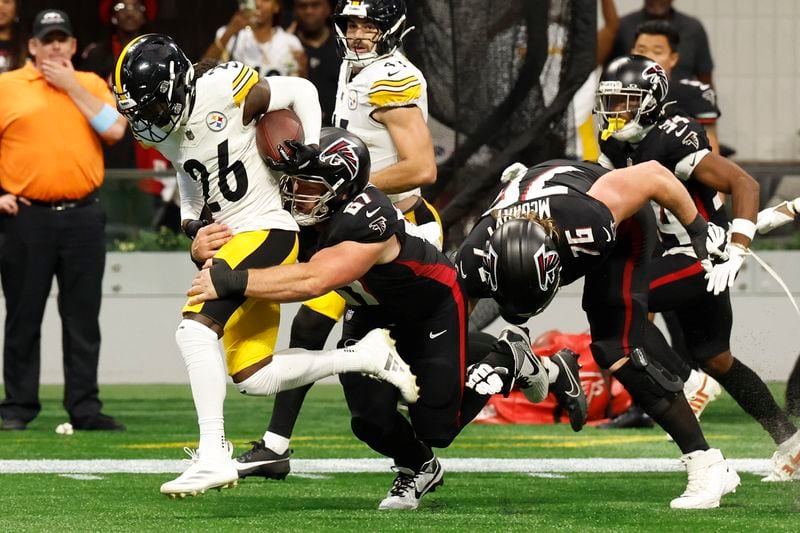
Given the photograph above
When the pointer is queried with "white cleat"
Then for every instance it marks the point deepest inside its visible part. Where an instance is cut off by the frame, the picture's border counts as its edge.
(203, 474)
(529, 372)
(710, 478)
(386, 364)
(786, 461)
(409, 487)
(700, 390)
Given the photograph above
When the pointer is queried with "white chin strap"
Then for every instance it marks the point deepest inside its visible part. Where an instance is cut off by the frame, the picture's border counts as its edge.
(631, 132)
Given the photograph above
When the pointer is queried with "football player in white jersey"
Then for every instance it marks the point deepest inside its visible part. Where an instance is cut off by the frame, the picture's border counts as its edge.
(382, 99)
(205, 126)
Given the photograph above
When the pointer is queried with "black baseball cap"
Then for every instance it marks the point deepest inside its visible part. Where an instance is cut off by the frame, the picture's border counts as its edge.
(51, 20)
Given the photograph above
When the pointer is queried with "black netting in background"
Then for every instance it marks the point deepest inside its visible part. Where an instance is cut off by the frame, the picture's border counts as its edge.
(501, 76)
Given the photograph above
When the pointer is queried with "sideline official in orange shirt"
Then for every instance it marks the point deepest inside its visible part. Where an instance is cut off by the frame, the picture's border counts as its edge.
(52, 121)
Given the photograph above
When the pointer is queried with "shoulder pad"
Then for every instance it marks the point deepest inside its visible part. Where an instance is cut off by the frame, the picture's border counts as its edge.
(394, 82)
(233, 78)
(367, 218)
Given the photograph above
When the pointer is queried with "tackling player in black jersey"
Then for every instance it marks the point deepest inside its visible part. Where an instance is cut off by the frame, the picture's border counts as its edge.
(639, 127)
(562, 220)
(390, 279)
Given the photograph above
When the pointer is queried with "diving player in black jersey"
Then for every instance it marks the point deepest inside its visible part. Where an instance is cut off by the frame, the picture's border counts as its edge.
(390, 279)
(562, 220)
(638, 126)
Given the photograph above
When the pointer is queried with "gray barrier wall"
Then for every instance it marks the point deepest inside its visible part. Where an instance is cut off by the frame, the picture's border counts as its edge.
(144, 294)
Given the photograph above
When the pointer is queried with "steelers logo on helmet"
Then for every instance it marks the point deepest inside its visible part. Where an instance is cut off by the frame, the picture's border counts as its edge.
(153, 86)
(523, 269)
(630, 98)
(313, 194)
(389, 18)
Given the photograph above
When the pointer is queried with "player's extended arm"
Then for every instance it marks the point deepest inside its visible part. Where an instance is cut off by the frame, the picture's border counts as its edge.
(412, 139)
(626, 190)
(774, 217)
(286, 92)
(726, 176)
(328, 269)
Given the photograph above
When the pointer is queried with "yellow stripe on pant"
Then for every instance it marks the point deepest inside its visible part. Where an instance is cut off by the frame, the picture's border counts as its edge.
(250, 325)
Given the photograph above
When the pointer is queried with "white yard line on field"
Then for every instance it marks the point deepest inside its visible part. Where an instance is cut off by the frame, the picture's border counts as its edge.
(333, 466)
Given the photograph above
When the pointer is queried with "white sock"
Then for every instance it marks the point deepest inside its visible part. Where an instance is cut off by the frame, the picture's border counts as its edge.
(199, 347)
(552, 369)
(275, 442)
(296, 367)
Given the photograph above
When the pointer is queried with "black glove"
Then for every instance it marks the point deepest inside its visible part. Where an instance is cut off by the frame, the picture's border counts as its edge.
(304, 157)
(191, 227)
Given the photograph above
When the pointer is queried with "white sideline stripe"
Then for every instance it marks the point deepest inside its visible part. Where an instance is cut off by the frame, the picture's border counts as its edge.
(334, 466)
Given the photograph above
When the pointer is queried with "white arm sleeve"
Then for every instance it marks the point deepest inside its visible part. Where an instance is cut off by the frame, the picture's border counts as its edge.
(191, 193)
(300, 95)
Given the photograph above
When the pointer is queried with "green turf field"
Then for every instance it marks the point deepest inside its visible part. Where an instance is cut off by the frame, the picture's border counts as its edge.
(160, 422)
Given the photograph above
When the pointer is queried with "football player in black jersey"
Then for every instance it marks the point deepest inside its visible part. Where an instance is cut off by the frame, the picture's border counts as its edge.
(638, 126)
(563, 220)
(390, 279)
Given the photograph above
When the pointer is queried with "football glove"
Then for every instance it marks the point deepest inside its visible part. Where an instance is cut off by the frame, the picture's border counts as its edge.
(303, 157)
(722, 275)
(775, 217)
(484, 379)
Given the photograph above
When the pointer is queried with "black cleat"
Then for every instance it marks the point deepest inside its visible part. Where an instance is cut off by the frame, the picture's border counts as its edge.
(567, 388)
(263, 462)
(98, 422)
(634, 417)
(13, 424)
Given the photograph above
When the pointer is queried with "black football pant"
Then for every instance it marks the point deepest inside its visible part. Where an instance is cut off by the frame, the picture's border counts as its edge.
(42, 243)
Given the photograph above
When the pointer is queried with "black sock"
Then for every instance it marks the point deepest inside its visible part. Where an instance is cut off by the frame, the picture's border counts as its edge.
(754, 397)
(793, 390)
(471, 405)
(669, 410)
(310, 330)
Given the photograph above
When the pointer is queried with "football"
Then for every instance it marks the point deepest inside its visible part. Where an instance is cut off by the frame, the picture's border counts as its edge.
(273, 129)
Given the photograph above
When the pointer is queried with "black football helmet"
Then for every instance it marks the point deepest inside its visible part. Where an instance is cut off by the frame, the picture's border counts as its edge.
(314, 193)
(630, 97)
(523, 269)
(153, 85)
(388, 15)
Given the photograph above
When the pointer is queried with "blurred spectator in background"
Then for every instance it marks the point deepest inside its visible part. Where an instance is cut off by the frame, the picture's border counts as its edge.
(13, 50)
(126, 20)
(659, 41)
(52, 121)
(694, 53)
(312, 25)
(253, 37)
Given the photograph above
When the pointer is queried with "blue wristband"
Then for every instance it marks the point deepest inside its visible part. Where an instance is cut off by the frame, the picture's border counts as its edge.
(103, 120)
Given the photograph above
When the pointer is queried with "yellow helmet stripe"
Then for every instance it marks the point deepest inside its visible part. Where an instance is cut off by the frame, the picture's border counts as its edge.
(118, 67)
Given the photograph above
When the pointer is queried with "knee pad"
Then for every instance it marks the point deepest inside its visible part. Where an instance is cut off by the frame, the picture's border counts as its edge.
(310, 329)
(649, 383)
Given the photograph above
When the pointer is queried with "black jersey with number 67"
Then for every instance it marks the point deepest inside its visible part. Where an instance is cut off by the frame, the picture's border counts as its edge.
(415, 281)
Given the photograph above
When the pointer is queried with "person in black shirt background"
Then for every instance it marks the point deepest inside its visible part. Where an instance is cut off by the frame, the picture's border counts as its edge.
(312, 26)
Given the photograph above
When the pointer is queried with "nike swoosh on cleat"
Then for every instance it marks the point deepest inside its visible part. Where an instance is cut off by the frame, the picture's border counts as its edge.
(433, 335)
(260, 463)
(574, 387)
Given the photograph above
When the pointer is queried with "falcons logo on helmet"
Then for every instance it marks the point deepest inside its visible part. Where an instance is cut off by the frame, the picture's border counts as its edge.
(656, 76)
(341, 153)
(547, 265)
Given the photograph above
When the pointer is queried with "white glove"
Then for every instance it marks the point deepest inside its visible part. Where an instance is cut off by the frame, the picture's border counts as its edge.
(775, 217)
(716, 243)
(484, 379)
(723, 275)
(512, 172)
